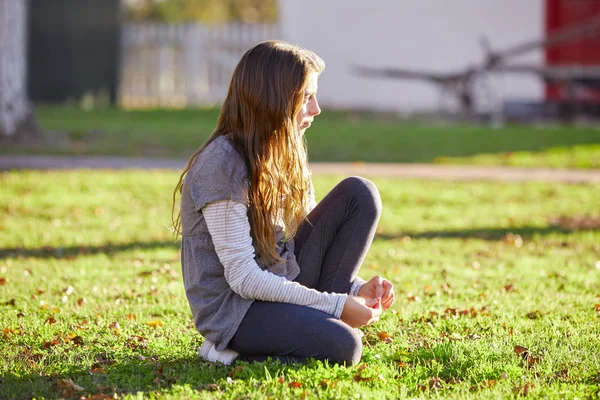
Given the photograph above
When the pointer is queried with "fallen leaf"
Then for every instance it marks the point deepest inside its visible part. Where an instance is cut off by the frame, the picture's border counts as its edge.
(281, 379)
(534, 314)
(523, 390)
(510, 288)
(155, 323)
(3, 280)
(81, 301)
(446, 288)
(450, 311)
(526, 356)
(563, 375)
(489, 383)
(512, 239)
(484, 385)
(67, 387)
(10, 302)
(462, 313)
(520, 350)
(295, 384)
(427, 290)
(114, 325)
(212, 387)
(51, 343)
(325, 383)
(435, 383)
(98, 370)
(237, 369)
(358, 377)
(485, 311)
(134, 342)
(76, 340)
(131, 317)
(50, 321)
(384, 337)
(103, 388)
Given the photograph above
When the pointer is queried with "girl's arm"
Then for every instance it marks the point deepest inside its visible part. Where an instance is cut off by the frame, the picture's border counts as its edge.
(229, 228)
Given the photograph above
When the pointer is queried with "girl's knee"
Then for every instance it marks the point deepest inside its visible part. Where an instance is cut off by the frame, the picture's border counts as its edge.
(365, 191)
(346, 347)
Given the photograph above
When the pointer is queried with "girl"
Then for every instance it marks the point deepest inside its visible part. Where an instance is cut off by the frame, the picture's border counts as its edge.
(267, 272)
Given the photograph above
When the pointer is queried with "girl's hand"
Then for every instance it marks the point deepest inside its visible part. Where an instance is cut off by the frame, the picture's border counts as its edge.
(380, 289)
(359, 311)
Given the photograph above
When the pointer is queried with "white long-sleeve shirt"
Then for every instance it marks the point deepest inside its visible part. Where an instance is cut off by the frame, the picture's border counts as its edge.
(229, 228)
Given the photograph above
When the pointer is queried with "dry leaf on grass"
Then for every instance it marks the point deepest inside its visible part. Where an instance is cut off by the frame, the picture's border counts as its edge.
(435, 383)
(535, 314)
(67, 387)
(384, 337)
(523, 390)
(155, 323)
(526, 356)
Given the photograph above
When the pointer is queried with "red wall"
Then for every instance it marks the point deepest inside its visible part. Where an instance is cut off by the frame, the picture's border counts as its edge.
(586, 51)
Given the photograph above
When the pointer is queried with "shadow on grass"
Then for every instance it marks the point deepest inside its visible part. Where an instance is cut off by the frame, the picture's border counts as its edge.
(486, 233)
(139, 375)
(126, 376)
(71, 252)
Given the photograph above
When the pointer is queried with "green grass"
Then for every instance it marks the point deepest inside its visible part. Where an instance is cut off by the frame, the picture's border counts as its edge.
(91, 291)
(335, 136)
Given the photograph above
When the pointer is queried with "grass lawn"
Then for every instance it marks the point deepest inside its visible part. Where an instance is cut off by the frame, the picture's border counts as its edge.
(335, 136)
(92, 302)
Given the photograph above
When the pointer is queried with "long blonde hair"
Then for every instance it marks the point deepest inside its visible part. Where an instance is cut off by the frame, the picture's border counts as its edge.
(265, 95)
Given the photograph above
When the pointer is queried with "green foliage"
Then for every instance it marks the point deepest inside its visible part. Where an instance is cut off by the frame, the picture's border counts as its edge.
(92, 302)
(334, 136)
(212, 11)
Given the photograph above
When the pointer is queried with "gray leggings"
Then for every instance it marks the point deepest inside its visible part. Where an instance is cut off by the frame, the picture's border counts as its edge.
(330, 250)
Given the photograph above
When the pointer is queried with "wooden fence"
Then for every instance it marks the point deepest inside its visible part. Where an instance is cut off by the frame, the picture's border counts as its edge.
(183, 65)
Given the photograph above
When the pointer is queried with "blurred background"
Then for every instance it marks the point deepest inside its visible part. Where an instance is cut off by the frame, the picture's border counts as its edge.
(95, 76)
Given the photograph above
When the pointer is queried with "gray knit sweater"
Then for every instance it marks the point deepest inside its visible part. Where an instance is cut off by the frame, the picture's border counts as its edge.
(222, 275)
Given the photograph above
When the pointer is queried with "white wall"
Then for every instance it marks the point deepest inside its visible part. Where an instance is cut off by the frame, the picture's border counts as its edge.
(432, 35)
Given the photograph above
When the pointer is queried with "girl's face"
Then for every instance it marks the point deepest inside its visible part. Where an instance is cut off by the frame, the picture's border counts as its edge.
(310, 107)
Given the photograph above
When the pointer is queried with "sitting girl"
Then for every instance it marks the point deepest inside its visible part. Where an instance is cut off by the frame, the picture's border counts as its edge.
(267, 271)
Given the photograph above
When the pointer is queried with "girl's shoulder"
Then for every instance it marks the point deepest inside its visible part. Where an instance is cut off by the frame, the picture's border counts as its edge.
(217, 158)
(220, 150)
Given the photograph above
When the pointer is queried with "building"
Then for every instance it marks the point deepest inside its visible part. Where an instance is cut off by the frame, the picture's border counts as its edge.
(430, 35)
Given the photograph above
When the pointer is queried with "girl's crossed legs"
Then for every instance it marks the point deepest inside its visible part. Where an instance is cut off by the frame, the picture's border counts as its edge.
(330, 249)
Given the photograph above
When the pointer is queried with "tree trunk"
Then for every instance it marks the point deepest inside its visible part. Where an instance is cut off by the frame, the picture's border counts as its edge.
(16, 113)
